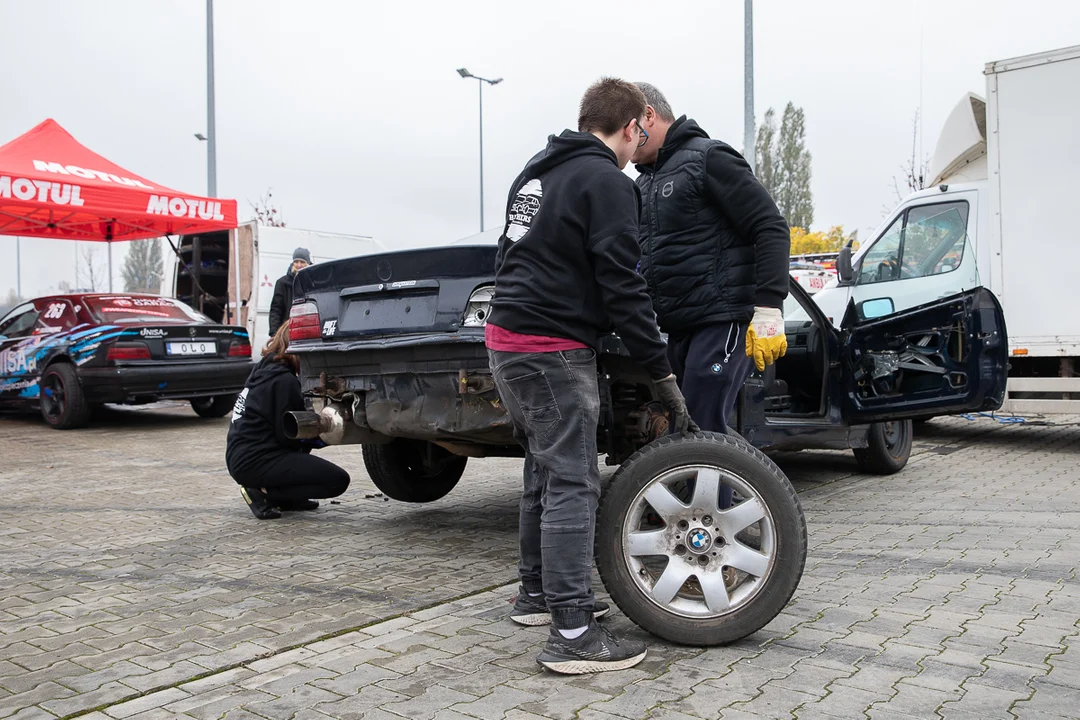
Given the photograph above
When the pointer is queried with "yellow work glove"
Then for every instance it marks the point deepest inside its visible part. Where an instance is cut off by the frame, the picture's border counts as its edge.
(765, 338)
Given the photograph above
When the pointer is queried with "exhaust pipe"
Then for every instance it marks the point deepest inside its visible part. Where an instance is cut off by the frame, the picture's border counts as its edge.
(302, 425)
(328, 424)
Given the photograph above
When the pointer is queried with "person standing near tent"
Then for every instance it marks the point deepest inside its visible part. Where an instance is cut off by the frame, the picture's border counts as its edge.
(274, 472)
(283, 290)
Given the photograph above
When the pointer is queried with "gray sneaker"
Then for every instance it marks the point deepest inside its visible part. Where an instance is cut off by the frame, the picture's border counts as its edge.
(596, 650)
(534, 611)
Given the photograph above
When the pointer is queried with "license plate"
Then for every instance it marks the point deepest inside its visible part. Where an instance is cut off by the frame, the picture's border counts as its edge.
(208, 347)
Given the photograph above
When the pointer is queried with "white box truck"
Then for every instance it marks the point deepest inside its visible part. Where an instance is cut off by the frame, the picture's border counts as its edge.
(203, 271)
(1005, 178)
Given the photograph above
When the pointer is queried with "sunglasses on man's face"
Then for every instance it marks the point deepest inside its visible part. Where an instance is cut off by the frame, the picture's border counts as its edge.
(644, 134)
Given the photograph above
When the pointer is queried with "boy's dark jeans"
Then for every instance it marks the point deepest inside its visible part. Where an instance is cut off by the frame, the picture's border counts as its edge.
(554, 402)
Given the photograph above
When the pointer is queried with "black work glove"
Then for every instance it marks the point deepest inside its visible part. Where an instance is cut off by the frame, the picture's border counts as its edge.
(672, 399)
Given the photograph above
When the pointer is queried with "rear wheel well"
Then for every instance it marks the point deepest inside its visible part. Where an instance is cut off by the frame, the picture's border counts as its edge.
(57, 359)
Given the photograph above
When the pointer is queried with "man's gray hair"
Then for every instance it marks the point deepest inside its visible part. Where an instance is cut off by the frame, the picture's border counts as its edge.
(659, 103)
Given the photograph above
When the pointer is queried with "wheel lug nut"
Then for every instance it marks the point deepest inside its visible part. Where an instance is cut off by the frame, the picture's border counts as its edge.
(680, 550)
(703, 560)
(683, 524)
(706, 521)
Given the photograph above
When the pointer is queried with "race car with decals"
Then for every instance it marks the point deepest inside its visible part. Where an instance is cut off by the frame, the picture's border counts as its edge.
(65, 354)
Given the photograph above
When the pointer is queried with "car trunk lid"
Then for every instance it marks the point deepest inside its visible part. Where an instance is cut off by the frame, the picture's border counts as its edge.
(412, 291)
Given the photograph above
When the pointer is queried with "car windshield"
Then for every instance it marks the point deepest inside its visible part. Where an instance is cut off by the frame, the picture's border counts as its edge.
(142, 309)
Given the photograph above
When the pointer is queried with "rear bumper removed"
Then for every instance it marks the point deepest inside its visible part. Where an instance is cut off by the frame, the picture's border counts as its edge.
(425, 387)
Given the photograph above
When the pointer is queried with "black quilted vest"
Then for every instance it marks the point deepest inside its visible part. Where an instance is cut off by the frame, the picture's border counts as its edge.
(699, 270)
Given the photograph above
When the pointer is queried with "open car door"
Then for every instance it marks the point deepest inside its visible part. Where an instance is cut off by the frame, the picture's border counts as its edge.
(944, 357)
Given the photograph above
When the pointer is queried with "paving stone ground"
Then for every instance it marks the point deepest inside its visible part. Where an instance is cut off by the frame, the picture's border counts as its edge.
(135, 584)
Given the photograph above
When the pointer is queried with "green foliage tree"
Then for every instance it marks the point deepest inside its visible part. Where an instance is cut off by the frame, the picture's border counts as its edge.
(143, 267)
(784, 164)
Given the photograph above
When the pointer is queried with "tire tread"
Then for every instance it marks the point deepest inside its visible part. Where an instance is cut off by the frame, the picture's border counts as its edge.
(387, 469)
(77, 410)
(875, 458)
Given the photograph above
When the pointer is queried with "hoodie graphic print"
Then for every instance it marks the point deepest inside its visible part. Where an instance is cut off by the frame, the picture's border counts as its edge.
(523, 209)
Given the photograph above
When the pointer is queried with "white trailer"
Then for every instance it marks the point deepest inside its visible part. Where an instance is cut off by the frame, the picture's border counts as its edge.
(1004, 183)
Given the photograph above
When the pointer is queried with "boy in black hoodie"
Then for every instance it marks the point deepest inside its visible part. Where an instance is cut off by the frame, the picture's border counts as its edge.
(274, 472)
(565, 275)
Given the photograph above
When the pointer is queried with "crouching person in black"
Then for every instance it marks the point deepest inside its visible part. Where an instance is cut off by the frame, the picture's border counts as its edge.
(274, 472)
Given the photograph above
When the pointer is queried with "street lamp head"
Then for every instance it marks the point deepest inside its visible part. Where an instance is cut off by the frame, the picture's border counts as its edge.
(200, 136)
(496, 81)
(464, 73)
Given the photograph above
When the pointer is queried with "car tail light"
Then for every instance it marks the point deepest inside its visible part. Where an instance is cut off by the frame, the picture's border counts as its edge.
(129, 351)
(240, 348)
(304, 322)
(476, 312)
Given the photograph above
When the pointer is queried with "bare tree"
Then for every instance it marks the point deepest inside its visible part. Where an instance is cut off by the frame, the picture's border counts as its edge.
(266, 212)
(92, 274)
(9, 302)
(915, 171)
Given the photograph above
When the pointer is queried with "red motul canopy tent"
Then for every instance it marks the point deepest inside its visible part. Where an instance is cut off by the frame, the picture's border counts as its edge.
(53, 187)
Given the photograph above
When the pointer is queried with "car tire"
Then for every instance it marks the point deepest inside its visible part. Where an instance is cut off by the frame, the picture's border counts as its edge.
(773, 557)
(63, 405)
(213, 407)
(413, 471)
(889, 448)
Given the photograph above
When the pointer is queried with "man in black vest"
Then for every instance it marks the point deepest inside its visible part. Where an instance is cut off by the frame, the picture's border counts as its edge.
(714, 252)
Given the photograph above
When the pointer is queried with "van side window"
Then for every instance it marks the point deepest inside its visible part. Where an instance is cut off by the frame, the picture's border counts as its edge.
(881, 263)
(926, 240)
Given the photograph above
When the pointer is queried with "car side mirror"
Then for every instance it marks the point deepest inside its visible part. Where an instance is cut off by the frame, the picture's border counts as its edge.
(844, 272)
(876, 308)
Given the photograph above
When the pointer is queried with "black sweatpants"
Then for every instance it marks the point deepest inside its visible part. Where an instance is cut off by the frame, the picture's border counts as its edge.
(711, 365)
(295, 476)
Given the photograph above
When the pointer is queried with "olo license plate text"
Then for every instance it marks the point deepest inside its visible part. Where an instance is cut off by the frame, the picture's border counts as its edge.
(191, 348)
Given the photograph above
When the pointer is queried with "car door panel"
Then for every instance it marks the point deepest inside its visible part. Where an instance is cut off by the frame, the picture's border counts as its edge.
(946, 356)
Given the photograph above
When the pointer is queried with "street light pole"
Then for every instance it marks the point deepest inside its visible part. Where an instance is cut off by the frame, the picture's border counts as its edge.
(748, 84)
(481, 86)
(480, 82)
(211, 131)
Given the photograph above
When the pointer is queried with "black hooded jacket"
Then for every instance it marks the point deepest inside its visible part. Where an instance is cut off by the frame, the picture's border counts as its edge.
(713, 243)
(256, 433)
(281, 304)
(567, 259)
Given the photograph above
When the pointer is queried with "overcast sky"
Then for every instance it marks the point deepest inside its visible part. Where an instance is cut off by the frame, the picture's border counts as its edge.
(352, 112)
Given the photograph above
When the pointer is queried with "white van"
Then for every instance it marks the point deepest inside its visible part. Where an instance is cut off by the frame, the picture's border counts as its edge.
(997, 215)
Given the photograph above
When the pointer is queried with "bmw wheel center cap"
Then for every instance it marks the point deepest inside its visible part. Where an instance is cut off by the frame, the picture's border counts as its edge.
(699, 540)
